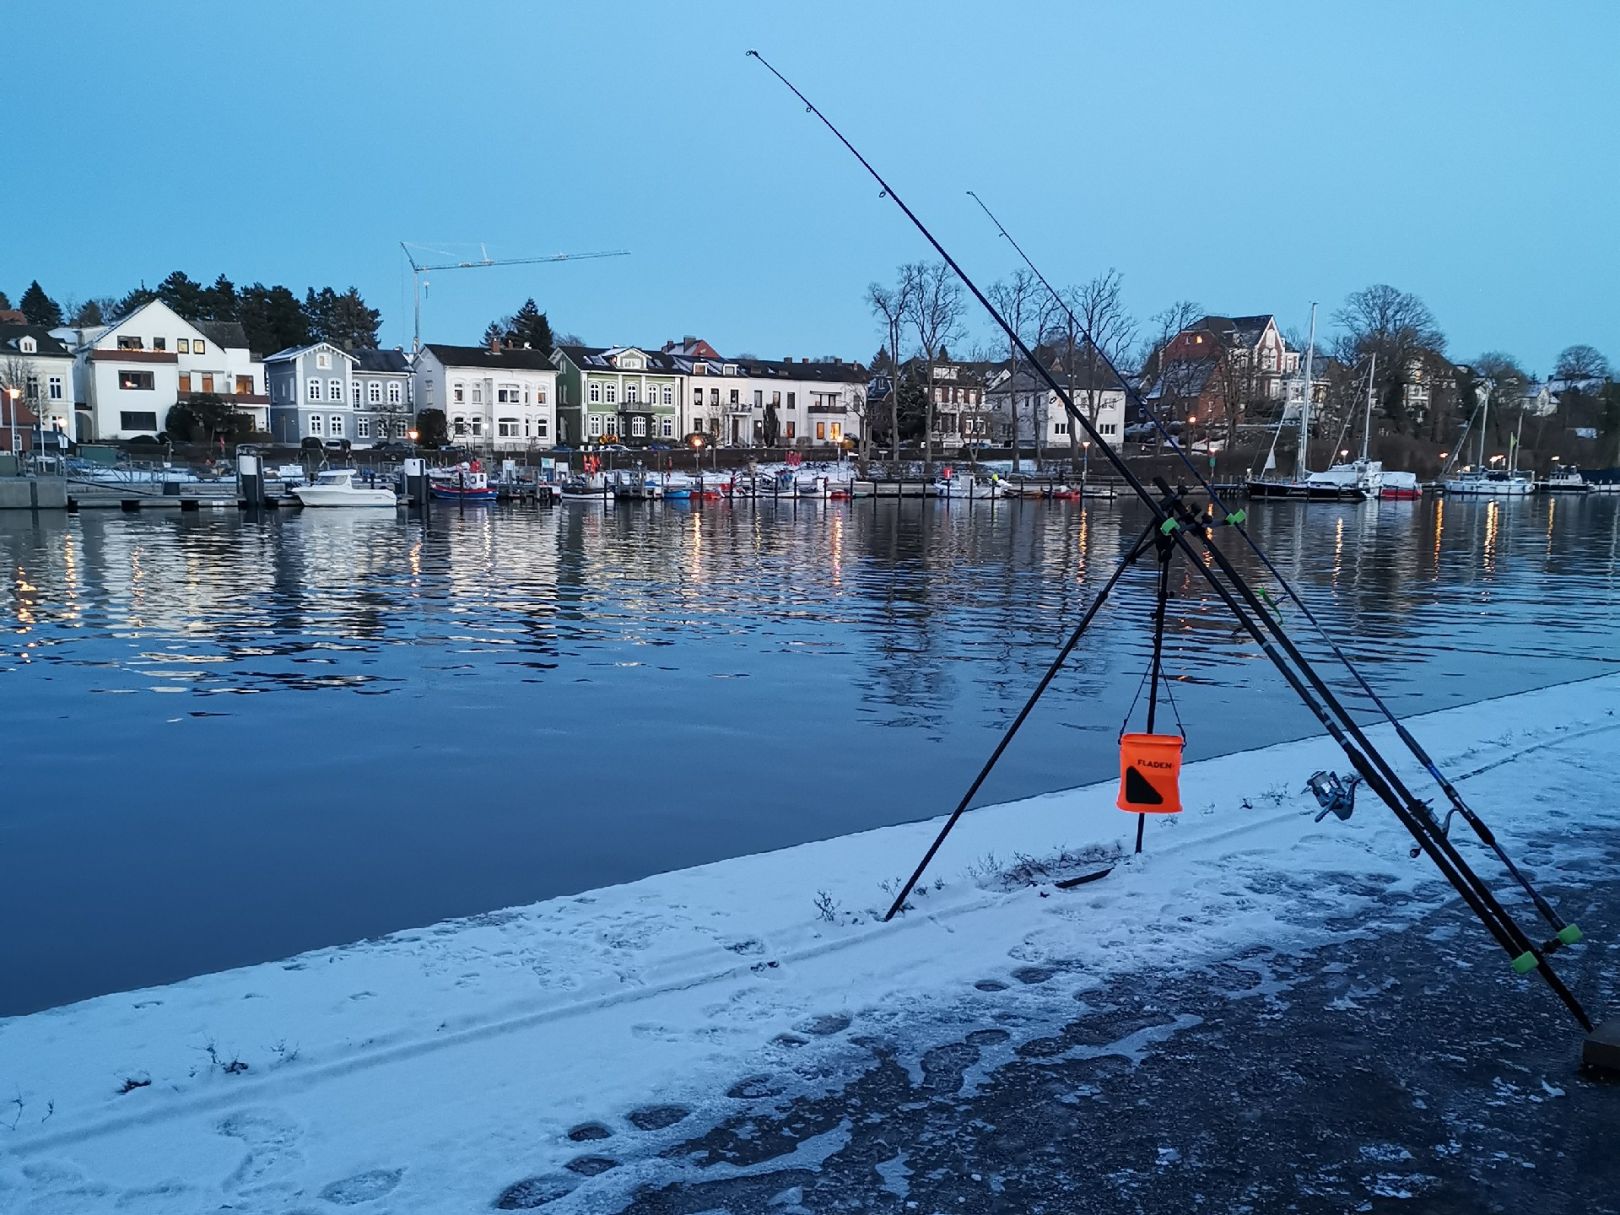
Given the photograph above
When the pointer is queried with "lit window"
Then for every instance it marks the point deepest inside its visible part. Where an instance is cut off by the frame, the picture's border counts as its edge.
(821, 432)
(837, 431)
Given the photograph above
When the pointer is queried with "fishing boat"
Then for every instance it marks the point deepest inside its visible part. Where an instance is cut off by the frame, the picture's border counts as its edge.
(1484, 481)
(1565, 481)
(464, 482)
(585, 488)
(336, 487)
(1341, 483)
(638, 487)
(1399, 487)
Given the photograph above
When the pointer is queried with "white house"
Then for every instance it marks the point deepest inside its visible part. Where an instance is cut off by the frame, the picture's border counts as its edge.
(1040, 413)
(128, 375)
(732, 399)
(36, 385)
(498, 397)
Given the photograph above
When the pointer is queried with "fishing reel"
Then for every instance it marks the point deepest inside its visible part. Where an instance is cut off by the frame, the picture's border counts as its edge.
(1333, 794)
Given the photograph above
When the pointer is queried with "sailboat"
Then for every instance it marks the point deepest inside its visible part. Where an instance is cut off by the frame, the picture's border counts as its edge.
(1484, 481)
(1341, 483)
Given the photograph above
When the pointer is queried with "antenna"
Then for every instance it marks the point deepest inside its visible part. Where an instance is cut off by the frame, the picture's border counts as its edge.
(418, 269)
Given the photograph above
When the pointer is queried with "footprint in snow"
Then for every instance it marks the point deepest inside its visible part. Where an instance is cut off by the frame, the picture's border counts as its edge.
(271, 1139)
(656, 1117)
(533, 1192)
(362, 1187)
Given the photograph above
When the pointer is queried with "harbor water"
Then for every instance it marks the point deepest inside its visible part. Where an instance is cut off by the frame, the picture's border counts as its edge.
(227, 740)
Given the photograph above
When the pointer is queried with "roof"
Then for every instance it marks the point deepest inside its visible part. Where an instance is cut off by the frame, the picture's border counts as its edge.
(381, 360)
(513, 358)
(600, 358)
(1185, 378)
(292, 352)
(228, 334)
(49, 347)
(1025, 381)
(1243, 331)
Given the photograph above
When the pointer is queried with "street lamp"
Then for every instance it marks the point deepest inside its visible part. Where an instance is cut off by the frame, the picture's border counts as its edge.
(1085, 466)
(697, 454)
(13, 392)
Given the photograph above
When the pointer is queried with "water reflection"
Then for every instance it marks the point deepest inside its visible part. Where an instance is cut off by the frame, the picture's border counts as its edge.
(244, 738)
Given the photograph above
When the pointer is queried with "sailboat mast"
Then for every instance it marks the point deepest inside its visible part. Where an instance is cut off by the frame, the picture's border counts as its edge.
(1366, 433)
(1303, 471)
(1484, 420)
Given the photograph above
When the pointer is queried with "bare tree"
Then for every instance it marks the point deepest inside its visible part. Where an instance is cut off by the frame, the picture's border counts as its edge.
(1095, 330)
(1399, 328)
(935, 314)
(19, 391)
(1581, 363)
(892, 305)
(1022, 302)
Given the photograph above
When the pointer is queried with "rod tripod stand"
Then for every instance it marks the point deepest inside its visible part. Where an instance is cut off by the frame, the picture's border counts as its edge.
(1155, 538)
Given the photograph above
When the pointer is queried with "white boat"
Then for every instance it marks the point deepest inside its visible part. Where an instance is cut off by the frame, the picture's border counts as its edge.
(1399, 486)
(1352, 482)
(1485, 481)
(1566, 481)
(336, 487)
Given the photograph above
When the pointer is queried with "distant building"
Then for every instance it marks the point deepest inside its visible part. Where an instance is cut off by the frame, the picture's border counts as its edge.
(36, 386)
(1041, 417)
(129, 374)
(618, 394)
(499, 398)
(381, 393)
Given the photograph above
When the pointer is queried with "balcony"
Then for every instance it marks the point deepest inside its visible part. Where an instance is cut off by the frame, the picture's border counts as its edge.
(230, 398)
(839, 408)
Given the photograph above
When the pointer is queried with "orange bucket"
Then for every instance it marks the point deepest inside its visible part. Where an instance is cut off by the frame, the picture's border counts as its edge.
(1150, 773)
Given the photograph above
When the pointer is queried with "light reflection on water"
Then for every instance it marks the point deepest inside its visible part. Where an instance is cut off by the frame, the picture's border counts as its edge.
(229, 740)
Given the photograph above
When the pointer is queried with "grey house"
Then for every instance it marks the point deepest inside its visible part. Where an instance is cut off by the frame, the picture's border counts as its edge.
(380, 394)
(311, 393)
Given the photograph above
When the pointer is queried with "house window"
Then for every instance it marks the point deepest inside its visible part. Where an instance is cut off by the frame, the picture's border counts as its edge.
(667, 428)
(477, 394)
(506, 394)
(776, 398)
(337, 426)
(428, 396)
(638, 426)
(458, 424)
(354, 391)
(334, 390)
(540, 428)
(160, 344)
(697, 396)
(821, 432)
(374, 392)
(714, 397)
(630, 394)
(1060, 428)
(759, 398)
(476, 424)
(314, 423)
(362, 427)
(540, 395)
(837, 431)
(323, 360)
(1109, 428)
(198, 346)
(244, 385)
(183, 345)
(792, 428)
(595, 392)
(131, 419)
(669, 394)
(208, 381)
(507, 428)
(393, 392)
(594, 425)
(458, 392)
(612, 394)
(792, 397)
(314, 389)
(56, 388)
(136, 381)
(730, 368)
(130, 343)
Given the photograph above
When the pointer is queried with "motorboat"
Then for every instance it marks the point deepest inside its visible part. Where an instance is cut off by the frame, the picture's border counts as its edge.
(336, 487)
(464, 482)
(1566, 481)
(1399, 487)
(1490, 483)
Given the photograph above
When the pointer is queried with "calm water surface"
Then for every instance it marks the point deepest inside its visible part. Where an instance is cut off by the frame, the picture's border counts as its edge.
(226, 741)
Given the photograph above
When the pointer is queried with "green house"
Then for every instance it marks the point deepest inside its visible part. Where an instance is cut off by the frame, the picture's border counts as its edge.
(617, 394)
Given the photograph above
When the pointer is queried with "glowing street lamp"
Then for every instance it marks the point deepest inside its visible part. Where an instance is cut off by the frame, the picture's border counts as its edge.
(697, 453)
(1085, 467)
(13, 392)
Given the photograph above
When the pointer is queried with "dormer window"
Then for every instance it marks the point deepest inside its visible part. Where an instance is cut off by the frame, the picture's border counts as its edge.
(731, 369)
(700, 369)
(28, 346)
(323, 360)
(630, 363)
(129, 343)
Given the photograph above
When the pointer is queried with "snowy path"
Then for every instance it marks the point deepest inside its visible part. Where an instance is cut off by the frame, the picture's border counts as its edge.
(440, 1069)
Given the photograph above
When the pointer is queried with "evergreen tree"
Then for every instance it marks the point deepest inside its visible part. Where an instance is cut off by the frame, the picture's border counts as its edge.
(141, 295)
(219, 301)
(530, 327)
(5, 300)
(431, 429)
(39, 308)
(495, 334)
(272, 317)
(344, 320)
(91, 312)
(184, 294)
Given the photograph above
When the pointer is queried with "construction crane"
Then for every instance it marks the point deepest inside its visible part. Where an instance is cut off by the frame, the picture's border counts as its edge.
(418, 270)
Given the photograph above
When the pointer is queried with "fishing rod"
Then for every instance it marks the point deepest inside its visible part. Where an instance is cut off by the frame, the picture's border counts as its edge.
(1567, 934)
(1183, 523)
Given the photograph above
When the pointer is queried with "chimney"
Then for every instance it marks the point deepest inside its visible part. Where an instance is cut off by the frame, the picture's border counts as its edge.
(494, 345)
(788, 359)
(689, 340)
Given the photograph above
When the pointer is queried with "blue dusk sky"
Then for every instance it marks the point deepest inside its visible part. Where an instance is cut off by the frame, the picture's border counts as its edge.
(1249, 156)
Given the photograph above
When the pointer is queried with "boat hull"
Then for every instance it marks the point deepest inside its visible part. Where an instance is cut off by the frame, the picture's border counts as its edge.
(452, 494)
(1303, 491)
(314, 495)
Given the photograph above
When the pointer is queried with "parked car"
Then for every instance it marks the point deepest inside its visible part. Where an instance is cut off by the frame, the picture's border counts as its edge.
(399, 447)
(614, 447)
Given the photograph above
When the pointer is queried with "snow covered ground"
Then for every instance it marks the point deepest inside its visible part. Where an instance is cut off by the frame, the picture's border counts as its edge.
(472, 1062)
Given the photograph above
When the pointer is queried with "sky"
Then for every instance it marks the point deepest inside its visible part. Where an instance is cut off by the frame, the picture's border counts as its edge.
(1251, 157)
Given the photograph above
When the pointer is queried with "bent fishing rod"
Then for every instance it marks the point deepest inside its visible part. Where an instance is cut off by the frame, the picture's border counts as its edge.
(1182, 525)
(1567, 934)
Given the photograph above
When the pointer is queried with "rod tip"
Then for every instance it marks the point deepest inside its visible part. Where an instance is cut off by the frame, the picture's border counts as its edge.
(751, 54)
